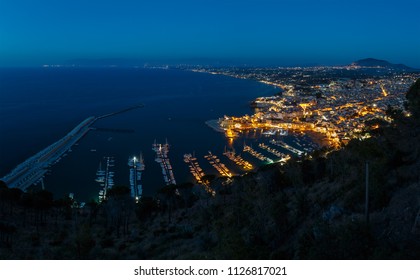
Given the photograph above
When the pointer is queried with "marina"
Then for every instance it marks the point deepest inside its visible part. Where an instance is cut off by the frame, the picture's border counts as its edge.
(219, 166)
(121, 135)
(161, 151)
(136, 166)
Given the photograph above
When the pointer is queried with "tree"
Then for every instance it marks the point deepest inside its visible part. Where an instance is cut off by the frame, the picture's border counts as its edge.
(168, 196)
(186, 193)
(7, 231)
(119, 206)
(92, 206)
(42, 202)
(145, 208)
(84, 241)
(3, 195)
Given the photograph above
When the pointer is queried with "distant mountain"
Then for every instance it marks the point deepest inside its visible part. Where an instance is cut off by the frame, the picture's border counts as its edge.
(372, 62)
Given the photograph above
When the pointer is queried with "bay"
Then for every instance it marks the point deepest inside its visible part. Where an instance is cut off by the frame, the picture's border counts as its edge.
(40, 105)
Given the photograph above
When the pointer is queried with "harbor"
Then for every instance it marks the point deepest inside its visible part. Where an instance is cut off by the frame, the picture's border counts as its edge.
(127, 133)
(33, 170)
(111, 135)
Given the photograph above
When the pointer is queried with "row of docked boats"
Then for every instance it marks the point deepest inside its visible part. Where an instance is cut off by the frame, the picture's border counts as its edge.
(218, 165)
(105, 177)
(162, 158)
(256, 154)
(137, 166)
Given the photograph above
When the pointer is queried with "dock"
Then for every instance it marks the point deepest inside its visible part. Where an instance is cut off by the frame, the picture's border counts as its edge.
(220, 167)
(238, 160)
(271, 150)
(287, 147)
(256, 154)
(137, 166)
(194, 167)
(198, 172)
(306, 147)
(283, 158)
(105, 177)
(162, 158)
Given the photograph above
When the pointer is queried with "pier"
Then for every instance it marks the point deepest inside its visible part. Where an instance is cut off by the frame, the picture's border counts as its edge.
(162, 158)
(118, 130)
(32, 171)
(283, 158)
(105, 177)
(238, 160)
(120, 111)
(220, 167)
(271, 150)
(197, 172)
(136, 167)
(195, 168)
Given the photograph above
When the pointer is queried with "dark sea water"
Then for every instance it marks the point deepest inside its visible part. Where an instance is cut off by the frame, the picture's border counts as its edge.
(39, 106)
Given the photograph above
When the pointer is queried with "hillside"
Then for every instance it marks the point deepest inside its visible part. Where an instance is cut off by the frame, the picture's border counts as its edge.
(311, 208)
(372, 62)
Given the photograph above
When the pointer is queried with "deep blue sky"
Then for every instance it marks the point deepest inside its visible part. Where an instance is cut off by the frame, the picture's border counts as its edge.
(283, 32)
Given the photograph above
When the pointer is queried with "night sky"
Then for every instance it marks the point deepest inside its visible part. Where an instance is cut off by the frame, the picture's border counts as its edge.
(257, 32)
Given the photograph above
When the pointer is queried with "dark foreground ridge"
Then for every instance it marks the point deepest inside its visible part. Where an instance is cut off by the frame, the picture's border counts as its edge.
(311, 208)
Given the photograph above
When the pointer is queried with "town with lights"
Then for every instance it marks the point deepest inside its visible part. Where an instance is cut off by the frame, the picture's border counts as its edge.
(331, 104)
